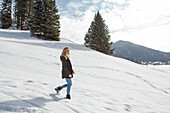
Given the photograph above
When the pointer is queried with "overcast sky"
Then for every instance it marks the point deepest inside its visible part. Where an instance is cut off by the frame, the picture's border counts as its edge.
(145, 22)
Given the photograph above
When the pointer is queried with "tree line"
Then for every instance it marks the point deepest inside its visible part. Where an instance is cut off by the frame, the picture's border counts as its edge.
(39, 16)
(42, 19)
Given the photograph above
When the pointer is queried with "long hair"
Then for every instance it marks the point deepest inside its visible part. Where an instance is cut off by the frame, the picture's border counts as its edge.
(64, 52)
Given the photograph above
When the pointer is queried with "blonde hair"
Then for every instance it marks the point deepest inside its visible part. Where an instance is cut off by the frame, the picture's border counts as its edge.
(64, 52)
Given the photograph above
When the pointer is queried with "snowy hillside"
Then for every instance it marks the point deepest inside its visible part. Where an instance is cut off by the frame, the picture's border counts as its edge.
(30, 69)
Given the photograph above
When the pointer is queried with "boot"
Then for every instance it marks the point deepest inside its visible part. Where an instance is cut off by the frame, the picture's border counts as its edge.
(58, 89)
(68, 96)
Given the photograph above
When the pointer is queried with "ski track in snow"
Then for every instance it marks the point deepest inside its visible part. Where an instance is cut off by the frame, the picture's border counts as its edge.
(128, 73)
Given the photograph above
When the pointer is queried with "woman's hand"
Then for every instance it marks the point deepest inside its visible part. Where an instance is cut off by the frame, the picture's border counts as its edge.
(70, 76)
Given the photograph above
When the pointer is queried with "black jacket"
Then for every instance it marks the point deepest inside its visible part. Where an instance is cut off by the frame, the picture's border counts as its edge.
(66, 67)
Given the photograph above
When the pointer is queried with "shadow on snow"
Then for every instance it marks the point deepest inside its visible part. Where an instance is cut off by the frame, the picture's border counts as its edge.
(28, 105)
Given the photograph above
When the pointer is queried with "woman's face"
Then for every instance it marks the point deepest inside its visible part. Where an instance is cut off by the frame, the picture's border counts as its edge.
(68, 51)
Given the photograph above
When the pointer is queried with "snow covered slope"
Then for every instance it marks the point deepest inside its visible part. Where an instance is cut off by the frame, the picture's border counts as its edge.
(30, 69)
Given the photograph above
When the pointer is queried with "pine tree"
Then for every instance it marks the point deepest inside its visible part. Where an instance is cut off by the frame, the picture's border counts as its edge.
(6, 18)
(45, 21)
(23, 12)
(30, 11)
(30, 8)
(16, 13)
(20, 13)
(98, 37)
(52, 23)
(37, 21)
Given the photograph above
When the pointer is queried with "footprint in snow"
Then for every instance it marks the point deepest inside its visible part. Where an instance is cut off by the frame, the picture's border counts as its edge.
(127, 107)
(30, 81)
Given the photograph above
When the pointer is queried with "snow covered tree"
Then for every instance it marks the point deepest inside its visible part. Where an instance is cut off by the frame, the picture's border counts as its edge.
(45, 21)
(37, 21)
(98, 37)
(52, 31)
(6, 19)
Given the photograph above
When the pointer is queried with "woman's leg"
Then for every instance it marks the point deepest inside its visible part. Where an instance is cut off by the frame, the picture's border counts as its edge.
(63, 86)
(69, 84)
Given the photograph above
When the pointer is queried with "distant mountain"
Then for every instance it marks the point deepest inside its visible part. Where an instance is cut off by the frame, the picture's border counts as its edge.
(140, 54)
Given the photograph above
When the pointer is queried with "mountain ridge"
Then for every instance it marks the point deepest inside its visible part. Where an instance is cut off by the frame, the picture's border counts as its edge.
(141, 54)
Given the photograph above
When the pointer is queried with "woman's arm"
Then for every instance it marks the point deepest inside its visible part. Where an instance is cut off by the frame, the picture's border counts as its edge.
(64, 65)
(72, 72)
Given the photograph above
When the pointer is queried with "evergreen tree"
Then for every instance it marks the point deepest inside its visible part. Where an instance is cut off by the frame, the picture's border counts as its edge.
(6, 19)
(52, 24)
(30, 11)
(16, 15)
(23, 12)
(37, 21)
(98, 37)
(20, 13)
(45, 21)
(30, 8)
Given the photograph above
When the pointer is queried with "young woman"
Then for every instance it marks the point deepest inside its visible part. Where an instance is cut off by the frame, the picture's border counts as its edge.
(67, 71)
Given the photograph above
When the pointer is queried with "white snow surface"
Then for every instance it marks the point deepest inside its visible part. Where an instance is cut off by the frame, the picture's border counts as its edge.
(30, 69)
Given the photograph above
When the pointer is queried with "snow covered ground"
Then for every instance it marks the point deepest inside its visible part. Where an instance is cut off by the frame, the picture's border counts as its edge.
(30, 69)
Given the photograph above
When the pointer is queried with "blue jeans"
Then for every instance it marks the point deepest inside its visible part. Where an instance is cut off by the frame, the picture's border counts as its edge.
(68, 85)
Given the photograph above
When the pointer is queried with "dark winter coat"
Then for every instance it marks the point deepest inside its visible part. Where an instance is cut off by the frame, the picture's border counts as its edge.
(66, 67)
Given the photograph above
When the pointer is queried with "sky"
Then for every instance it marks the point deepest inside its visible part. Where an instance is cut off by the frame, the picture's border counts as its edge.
(144, 22)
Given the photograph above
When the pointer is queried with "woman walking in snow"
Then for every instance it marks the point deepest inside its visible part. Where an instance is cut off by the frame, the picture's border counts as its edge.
(67, 71)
